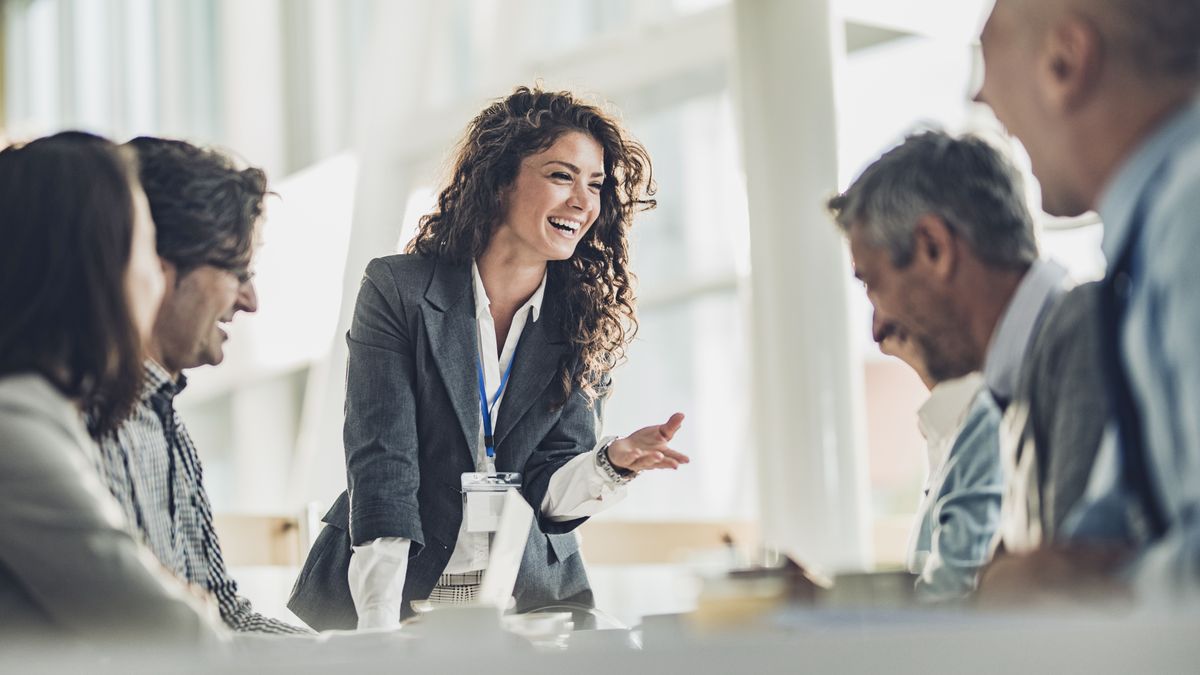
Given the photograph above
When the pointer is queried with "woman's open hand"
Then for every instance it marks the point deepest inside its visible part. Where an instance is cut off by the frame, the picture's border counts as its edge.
(648, 448)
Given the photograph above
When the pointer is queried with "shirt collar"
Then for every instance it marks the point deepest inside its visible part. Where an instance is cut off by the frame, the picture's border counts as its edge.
(1120, 198)
(158, 381)
(1044, 282)
(483, 303)
(940, 415)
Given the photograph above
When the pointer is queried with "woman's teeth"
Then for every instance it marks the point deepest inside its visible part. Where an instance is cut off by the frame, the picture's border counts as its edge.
(564, 225)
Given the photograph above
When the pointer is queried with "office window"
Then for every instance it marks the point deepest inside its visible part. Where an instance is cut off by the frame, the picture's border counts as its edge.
(691, 351)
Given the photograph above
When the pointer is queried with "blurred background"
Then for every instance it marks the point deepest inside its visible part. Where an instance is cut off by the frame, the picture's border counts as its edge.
(803, 436)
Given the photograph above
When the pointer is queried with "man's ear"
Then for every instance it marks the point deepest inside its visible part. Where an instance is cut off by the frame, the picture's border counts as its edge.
(935, 246)
(1071, 62)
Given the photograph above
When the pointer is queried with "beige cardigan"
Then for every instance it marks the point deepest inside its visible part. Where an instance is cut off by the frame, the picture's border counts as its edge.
(68, 565)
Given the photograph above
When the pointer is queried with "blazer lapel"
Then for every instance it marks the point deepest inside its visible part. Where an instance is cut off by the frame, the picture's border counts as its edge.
(541, 350)
(452, 337)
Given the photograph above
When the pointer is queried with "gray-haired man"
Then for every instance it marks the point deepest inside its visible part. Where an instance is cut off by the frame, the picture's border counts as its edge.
(942, 240)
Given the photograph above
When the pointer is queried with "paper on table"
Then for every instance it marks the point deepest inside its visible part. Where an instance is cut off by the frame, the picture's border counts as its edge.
(508, 548)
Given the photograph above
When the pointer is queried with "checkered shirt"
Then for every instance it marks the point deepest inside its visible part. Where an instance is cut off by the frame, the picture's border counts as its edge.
(153, 470)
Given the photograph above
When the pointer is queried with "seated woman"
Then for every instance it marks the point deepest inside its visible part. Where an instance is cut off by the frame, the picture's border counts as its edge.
(487, 348)
(80, 285)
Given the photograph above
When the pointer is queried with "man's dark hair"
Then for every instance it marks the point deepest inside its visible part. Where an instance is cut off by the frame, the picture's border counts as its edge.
(964, 181)
(66, 219)
(205, 207)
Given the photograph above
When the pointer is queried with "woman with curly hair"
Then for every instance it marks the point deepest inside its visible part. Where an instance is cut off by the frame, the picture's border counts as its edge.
(486, 349)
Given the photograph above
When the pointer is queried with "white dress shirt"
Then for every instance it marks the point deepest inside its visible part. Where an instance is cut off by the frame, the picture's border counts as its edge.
(578, 489)
(940, 419)
(958, 515)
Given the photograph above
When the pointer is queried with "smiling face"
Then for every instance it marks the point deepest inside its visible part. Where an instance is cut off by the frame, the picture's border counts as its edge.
(189, 330)
(554, 200)
(910, 305)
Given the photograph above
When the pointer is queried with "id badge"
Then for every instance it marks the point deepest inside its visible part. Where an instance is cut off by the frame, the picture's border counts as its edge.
(483, 498)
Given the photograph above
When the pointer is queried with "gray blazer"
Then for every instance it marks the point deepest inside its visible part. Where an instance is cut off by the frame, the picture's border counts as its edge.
(1062, 405)
(68, 565)
(412, 419)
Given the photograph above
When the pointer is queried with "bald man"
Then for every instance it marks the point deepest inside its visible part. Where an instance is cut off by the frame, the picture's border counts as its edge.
(1103, 94)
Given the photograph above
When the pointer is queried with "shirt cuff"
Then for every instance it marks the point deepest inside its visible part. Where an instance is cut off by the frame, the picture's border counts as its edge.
(376, 577)
(380, 617)
(580, 489)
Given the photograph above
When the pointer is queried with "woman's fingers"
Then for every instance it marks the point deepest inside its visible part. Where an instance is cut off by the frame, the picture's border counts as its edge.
(647, 447)
(679, 457)
(659, 459)
(667, 431)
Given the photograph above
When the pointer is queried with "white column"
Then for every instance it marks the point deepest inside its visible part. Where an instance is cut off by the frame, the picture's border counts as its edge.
(399, 55)
(251, 74)
(807, 393)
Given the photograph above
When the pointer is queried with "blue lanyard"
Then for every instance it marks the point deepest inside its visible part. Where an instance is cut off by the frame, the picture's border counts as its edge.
(489, 442)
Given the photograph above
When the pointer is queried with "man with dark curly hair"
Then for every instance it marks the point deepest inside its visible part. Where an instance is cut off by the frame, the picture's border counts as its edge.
(207, 211)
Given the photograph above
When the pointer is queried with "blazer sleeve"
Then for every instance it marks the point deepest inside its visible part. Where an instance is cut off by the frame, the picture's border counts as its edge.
(575, 432)
(380, 431)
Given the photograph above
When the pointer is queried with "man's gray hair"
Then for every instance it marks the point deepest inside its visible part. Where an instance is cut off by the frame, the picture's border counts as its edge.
(964, 181)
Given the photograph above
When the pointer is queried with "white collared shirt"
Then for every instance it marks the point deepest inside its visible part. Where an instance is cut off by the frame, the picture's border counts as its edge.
(1044, 281)
(940, 419)
(958, 515)
(941, 416)
(578, 489)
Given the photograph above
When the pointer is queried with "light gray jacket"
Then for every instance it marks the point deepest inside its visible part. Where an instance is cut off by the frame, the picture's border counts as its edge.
(68, 566)
(1059, 413)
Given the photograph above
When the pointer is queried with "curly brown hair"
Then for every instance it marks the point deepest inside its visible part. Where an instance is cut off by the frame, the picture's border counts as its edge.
(595, 283)
(205, 206)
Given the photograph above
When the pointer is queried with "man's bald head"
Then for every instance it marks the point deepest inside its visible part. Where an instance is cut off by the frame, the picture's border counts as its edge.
(1080, 82)
(1159, 39)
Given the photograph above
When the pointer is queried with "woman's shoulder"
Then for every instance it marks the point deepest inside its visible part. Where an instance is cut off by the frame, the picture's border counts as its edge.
(402, 264)
(409, 276)
(32, 395)
(403, 272)
(40, 430)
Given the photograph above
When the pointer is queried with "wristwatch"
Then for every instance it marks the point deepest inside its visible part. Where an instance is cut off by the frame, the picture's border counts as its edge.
(614, 473)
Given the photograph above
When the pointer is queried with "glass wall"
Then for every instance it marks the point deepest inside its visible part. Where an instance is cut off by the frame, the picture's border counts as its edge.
(311, 88)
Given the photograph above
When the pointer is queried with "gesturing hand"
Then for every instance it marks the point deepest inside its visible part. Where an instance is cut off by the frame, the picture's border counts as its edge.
(647, 448)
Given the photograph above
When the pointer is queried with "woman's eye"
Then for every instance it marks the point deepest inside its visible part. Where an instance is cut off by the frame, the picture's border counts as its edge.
(596, 186)
(561, 175)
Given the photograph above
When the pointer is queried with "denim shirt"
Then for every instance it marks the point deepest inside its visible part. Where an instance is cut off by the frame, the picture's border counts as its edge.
(1158, 345)
(958, 519)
